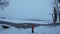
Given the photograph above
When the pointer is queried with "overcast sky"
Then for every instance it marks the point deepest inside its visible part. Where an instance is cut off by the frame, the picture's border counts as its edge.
(28, 9)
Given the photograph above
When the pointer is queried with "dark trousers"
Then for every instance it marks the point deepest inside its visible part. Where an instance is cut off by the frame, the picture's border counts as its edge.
(32, 30)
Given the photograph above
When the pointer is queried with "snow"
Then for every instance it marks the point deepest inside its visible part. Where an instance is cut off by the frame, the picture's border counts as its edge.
(28, 9)
(10, 30)
(37, 30)
(25, 21)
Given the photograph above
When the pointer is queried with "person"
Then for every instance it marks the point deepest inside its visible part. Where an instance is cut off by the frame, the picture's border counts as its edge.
(33, 28)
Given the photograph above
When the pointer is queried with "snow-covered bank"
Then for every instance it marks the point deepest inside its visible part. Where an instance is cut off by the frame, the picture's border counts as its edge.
(24, 21)
(38, 30)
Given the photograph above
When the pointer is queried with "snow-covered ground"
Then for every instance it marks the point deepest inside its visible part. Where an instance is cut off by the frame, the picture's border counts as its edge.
(38, 30)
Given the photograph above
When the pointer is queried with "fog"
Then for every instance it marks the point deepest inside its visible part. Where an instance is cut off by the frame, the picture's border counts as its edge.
(28, 9)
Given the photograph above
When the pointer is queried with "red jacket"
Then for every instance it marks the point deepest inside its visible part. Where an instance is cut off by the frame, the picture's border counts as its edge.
(32, 26)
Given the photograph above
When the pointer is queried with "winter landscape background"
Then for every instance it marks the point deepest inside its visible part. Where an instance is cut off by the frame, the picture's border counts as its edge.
(29, 9)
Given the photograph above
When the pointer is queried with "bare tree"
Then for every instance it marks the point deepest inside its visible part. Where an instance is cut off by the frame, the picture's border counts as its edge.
(59, 9)
(3, 3)
(54, 16)
(59, 12)
(59, 1)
